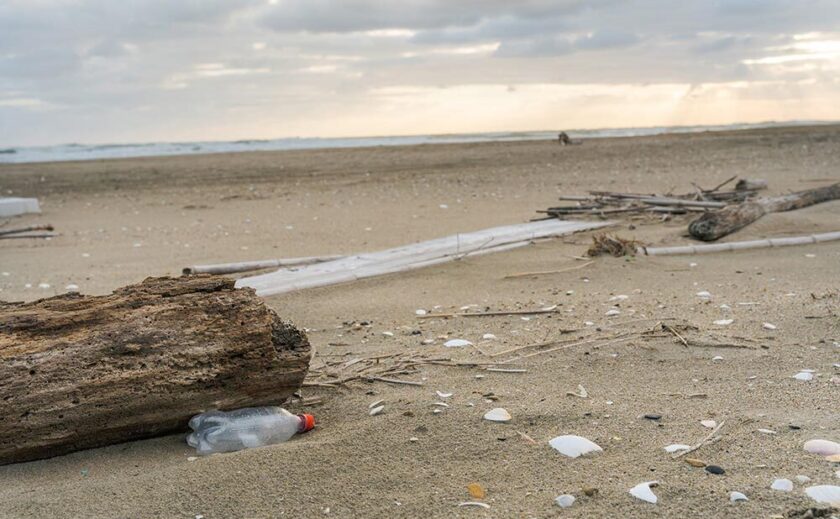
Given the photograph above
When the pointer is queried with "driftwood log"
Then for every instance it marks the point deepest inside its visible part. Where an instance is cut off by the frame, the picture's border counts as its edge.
(717, 224)
(78, 372)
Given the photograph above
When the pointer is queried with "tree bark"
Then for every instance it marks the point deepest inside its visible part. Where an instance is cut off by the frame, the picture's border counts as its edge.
(717, 224)
(78, 372)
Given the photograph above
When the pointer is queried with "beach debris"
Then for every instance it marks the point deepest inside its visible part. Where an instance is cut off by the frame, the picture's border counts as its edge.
(743, 245)
(643, 491)
(652, 416)
(457, 343)
(475, 503)
(440, 404)
(581, 392)
(801, 479)
(715, 469)
(377, 410)
(497, 414)
(573, 446)
(565, 501)
(834, 458)
(589, 491)
(620, 297)
(488, 337)
(441, 394)
(72, 288)
(606, 245)
(612, 312)
(376, 404)
(768, 326)
(767, 431)
(724, 322)
(804, 376)
(248, 266)
(822, 447)
(388, 334)
(694, 462)
(476, 491)
(43, 286)
(420, 311)
(717, 358)
(737, 496)
(676, 447)
(14, 206)
(704, 294)
(710, 424)
(507, 370)
(824, 494)
(783, 485)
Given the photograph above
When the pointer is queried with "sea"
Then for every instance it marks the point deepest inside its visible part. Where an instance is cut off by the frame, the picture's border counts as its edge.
(64, 152)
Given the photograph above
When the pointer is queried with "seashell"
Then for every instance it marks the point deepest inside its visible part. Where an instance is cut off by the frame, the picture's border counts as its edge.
(474, 503)
(711, 424)
(457, 343)
(548, 308)
(784, 485)
(388, 334)
(437, 411)
(72, 287)
(767, 431)
(802, 479)
(692, 265)
(620, 297)
(694, 462)
(834, 458)
(44, 285)
(804, 376)
(704, 294)
(717, 358)
(737, 496)
(420, 311)
(589, 323)
(565, 501)
(377, 410)
(822, 447)
(440, 404)
(442, 394)
(724, 322)
(642, 491)
(573, 446)
(613, 312)
(768, 326)
(476, 491)
(725, 306)
(428, 341)
(824, 494)
(497, 415)
(376, 404)
(488, 337)
(675, 447)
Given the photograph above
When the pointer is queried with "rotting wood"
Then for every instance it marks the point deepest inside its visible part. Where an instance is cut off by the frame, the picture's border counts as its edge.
(78, 372)
(717, 224)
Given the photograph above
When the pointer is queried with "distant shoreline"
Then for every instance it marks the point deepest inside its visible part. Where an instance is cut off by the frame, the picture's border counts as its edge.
(82, 152)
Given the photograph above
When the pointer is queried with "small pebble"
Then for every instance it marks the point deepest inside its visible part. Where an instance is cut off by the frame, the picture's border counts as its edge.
(694, 462)
(715, 469)
(768, 326)
(565, 501)
(802, 479)
(784, 485)
(724, 322)
(653, 416)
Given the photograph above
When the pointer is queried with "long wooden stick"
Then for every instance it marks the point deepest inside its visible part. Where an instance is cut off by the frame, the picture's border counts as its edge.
(714, 225)
(544, 272)
(702, 442)
(247, 266)
(740, 245)
(31, 228)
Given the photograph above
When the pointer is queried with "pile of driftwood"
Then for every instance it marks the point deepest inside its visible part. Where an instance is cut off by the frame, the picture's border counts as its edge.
(723, 211)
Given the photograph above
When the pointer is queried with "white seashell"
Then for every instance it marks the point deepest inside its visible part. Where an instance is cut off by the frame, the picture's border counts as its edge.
(377, 410)
(457, 343)
(711, 424)
(376, 404)
(767, 431)
(768, 326)
(804, 376)
(737, 496)
(437, 411)
(474, 503)
(441, 394)
(440, 404)
(822, 447)
(72, 288)
(620, 297)
(388, 334)
(192, 458)
(589, 323)
(802, 479)
(428, 341)
(488, 337)
(725, 307)
(497, 415)
(674, 447)
(420, 311)
(28, 285)
(44, 285)
(704, 294)
(717, 358)
(808, 370)
(573, 446)
(414, 439)
(642, 491)
(565, 501)
(613, 312)
(785, 485)
(692, 265)
(569, 292)
(548, 308)
(824, 493)
(724, 322)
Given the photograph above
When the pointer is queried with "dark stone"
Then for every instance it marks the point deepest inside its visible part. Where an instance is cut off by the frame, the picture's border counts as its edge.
(714, 469)
(653, 416)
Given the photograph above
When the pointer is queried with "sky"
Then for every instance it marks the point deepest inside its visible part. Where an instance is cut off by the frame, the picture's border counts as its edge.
(108, 71)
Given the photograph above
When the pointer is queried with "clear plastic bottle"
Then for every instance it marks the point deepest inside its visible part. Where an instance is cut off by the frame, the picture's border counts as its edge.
(220, 431)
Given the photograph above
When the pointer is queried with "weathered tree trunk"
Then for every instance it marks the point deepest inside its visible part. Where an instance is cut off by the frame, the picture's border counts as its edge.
(78, 372)
(717, 224)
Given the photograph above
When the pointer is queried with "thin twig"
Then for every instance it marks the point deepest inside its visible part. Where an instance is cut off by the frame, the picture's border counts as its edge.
(540, 273)
(703, 442)
(395, 381)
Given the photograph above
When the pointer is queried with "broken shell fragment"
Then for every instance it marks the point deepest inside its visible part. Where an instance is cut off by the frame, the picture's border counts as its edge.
(675, 447)
(573, 446)
(497, 415)
(377, 410)
(476, 491)
(737, 496)
(711, 424)
(784, 485)
(642, 491)
(441, 394)
(474, 503)
(457, 343)
(768, 326)
(804, 376)
(724, 322)
(565, 501)
(694, 462)
(824, 494)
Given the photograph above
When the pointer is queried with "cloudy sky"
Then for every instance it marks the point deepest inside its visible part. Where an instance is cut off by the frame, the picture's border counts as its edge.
(93, 71)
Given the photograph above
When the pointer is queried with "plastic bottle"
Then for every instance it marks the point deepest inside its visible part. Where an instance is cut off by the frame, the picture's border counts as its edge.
(220, 431)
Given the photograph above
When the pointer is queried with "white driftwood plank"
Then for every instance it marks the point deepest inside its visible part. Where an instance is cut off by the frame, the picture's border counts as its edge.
(409, 257)
(245, 266)
(740, 245)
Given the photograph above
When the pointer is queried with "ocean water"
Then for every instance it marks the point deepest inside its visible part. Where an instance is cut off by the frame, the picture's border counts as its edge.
(153, 149)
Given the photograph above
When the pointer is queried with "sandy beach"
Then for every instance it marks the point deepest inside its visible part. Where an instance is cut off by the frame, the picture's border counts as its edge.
(121, 221)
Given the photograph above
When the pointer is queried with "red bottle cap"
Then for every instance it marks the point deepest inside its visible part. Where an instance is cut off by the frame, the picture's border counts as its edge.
(307, 422)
